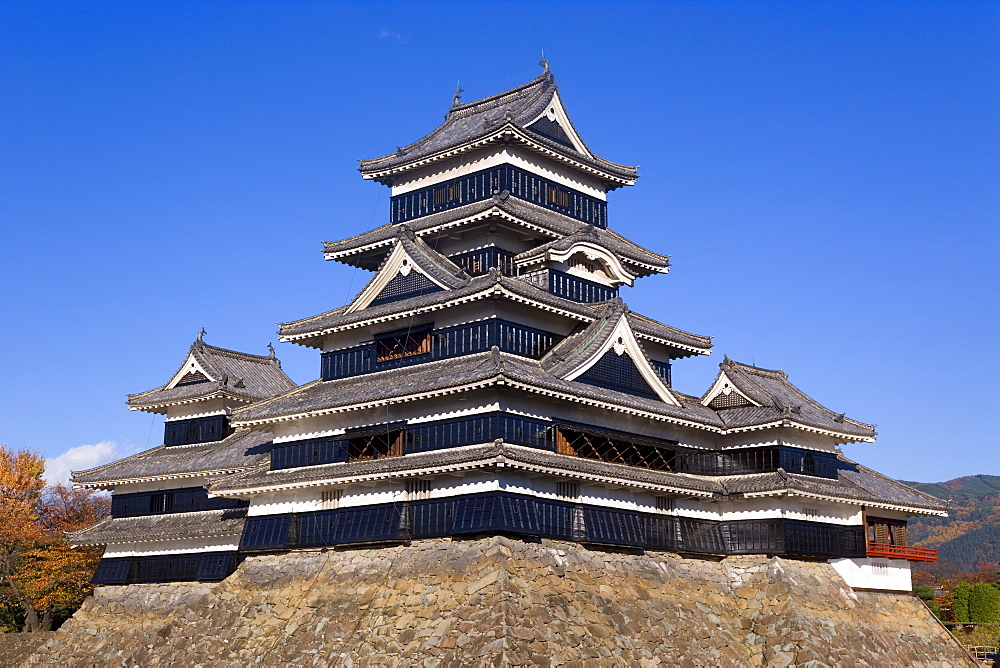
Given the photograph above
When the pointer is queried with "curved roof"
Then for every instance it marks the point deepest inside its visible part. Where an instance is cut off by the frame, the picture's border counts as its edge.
(202, 524)
(512, 114)
(227, 373)
(778, 401)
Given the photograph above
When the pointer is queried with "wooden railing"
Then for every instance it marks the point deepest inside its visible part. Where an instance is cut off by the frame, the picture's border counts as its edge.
(890, 551)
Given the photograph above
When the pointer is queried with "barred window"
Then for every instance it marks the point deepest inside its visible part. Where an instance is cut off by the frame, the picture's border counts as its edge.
(665, 503)
(330, 499)
(402, 345)
(418, 489)
(568, 490)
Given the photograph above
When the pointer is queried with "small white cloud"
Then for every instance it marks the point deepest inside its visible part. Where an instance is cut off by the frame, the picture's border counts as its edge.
(79, 458)
(386, 33)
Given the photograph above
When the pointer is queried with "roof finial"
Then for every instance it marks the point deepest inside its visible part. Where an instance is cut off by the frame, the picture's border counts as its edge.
(455, 101)
(201, 334)
(544, 63)
(270, 348)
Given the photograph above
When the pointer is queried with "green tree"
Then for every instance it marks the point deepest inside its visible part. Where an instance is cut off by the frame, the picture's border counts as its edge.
(984, 603)
(926, 594)
(960, 602)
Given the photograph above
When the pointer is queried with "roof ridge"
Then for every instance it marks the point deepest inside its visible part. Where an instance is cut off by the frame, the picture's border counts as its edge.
(456, 110)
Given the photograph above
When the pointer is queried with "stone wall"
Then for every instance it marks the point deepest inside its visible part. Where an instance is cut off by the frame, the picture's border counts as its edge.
(498, 601)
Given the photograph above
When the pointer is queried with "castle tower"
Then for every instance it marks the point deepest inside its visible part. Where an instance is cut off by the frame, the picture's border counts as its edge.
(489, 379)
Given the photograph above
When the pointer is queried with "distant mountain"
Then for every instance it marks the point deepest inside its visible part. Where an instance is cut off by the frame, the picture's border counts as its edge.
(971, 532)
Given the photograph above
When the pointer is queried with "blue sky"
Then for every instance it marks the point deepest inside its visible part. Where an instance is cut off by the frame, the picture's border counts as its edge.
(824, 175)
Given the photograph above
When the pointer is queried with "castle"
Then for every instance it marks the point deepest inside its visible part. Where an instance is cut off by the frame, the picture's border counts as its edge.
(489, 380)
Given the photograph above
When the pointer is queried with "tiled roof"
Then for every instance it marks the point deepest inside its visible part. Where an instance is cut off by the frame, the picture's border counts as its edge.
(474, 121)
(641, 261)
(203, 524)
(853, 482)
(233, 374)
(482, 287)
(453, 374)
(367, 250)
(474, 456)
(235, 452)
(782, 401)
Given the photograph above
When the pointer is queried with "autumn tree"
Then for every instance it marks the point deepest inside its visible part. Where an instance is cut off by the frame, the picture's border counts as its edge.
(40, 574)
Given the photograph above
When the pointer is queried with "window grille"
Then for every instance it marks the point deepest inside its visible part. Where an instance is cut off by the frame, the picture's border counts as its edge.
(665, 503)
(880, 568)
(398, 346)
(182, 500)
(602, 447)
(578, 289)
(417, 490)
(484, 184)
(478, 262)
(810, 512)
(196, 430)
(568, 490)
(330, 499)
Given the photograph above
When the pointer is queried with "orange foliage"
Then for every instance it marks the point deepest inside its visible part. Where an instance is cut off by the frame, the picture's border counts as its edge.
(39, 571)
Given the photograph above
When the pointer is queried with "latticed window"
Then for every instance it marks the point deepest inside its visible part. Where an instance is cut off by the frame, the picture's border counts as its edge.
(613, 450)
(568, 490)
(330, 499)
(665, 503)
(375, 446)
(417, 490)
(402, 345)
(558, 196)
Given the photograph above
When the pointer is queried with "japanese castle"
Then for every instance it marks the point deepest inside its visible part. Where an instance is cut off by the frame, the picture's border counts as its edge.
(489, 379)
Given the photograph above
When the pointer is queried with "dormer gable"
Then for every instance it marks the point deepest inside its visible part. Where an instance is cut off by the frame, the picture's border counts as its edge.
(607, 353)
(190, 373)
(412, 268)
(725, 394)
(553, 123)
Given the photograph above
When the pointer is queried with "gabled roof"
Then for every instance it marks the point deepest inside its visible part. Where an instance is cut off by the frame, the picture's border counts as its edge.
(531, 114)
(458, 374)
(408, 255)
(854, 483)
(234, 453)
(220, 373)
(773, 401)
(307, 331)
(578, 352)
(606, 246)
(149, 528)
(368, 249)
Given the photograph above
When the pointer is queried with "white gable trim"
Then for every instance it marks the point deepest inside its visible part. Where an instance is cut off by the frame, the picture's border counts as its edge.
(190, 366)
(612, 265)
(554, 111)
(623, 341)
(723, 385)
(398, 262)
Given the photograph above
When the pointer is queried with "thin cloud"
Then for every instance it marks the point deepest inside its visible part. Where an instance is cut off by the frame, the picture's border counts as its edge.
(385, 33)
(78, 458)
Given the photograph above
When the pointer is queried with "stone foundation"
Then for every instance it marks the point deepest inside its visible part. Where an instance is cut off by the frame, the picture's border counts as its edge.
(498, 601)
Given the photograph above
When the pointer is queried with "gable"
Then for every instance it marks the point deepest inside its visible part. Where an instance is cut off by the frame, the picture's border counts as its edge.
(191, 372)
(403, 287)
(725, 394)
(617, 371)
(553, 123)
(620, 364)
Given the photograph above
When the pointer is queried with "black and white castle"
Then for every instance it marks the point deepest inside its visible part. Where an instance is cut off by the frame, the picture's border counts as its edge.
(489, 379)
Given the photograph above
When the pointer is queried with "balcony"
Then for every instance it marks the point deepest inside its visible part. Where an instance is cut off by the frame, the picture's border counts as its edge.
(890, 551)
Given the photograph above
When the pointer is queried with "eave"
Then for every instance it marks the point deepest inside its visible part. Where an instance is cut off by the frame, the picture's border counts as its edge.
(855, 502)
(505, 134)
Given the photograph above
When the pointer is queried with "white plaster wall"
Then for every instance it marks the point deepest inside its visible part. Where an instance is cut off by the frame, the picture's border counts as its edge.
(793, 508)
(159, 485)
(492, 156)
(198, 409)
(874, 573)
(779, 436)
(181, 546)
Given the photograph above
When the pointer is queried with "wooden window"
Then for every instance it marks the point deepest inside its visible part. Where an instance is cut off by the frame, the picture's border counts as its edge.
(417, 490)
(558, 196)
(440, 195)
(402, 345)
(613, 450)
(454, 191)
(568, 490)
(330, 499)
(665, 503)
(375, 446)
